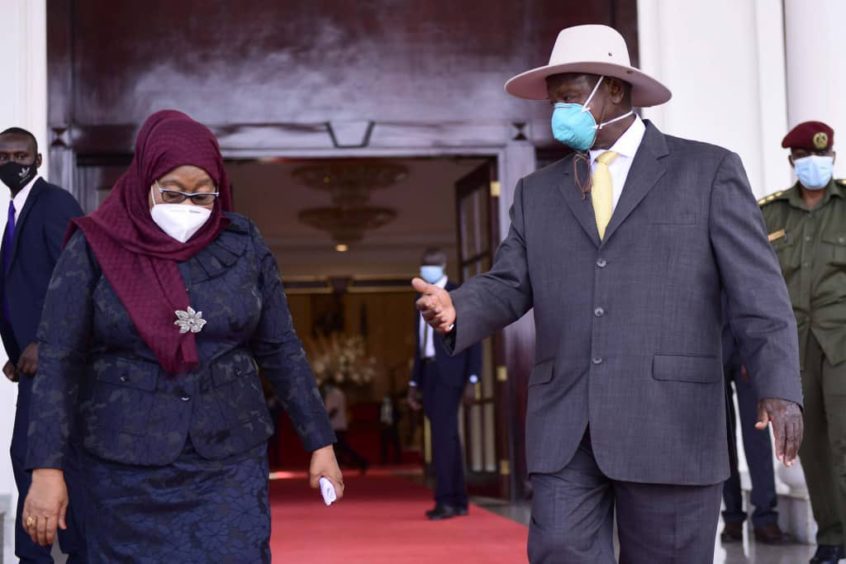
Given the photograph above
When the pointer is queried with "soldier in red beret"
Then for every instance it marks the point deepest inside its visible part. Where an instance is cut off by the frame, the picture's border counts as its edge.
(807, 228)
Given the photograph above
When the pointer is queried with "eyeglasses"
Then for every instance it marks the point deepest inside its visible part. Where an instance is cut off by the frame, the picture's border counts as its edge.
(177, 197)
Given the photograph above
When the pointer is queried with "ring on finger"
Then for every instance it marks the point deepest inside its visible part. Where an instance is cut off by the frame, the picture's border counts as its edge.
(30, 522)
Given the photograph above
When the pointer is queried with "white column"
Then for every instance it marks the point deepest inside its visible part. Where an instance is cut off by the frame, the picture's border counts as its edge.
(23, 103)
(724, 62)
(816, 60)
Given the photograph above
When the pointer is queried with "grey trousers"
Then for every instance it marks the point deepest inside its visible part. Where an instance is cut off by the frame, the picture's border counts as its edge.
(573, 514)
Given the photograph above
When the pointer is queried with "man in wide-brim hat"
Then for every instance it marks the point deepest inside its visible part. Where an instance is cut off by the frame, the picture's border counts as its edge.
(624, 249)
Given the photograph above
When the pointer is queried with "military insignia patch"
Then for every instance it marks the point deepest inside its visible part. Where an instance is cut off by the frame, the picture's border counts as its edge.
(775, 235)
(820, 140)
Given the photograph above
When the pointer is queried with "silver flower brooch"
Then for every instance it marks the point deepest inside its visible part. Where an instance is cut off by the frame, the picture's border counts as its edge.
(189, 320)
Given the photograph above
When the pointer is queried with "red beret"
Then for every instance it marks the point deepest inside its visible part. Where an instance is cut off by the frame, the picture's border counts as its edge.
(809, 135)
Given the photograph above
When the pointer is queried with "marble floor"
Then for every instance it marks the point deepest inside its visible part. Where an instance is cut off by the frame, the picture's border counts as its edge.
(747, 552)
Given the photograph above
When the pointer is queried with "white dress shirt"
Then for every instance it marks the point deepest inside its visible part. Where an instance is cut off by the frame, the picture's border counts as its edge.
(625, 147)
(427, 334)
(20, 199)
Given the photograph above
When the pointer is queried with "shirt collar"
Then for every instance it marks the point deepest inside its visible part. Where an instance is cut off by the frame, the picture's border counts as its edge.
(441, 283)
(20, 199)
(794, 195)
(628, 143)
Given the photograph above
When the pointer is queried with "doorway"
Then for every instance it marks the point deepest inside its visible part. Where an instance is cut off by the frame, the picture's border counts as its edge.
(347, 278)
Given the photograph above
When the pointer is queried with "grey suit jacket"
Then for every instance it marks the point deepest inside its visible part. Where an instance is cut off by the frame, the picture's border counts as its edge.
(629, 328)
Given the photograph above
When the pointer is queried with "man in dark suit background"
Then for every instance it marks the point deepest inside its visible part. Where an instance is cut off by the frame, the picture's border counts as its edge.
(623, 249)
(37, 219)
(759, 458)
(443, 380)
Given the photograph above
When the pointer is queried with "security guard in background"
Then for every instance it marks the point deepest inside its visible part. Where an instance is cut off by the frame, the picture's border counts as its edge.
(807, 228)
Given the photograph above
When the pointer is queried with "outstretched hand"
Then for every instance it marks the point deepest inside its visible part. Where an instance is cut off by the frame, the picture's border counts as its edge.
(788, 426)
(435, 305)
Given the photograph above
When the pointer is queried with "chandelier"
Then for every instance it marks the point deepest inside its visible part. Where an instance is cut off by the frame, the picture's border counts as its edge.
(348, 183)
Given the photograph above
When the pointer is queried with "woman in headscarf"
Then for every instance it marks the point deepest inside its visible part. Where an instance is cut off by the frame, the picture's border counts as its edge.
(162, 309)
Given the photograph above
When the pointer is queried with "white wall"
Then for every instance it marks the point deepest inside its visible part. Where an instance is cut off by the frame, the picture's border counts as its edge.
(23, 103)
(724, 62)
(816, 61)
(743, 72)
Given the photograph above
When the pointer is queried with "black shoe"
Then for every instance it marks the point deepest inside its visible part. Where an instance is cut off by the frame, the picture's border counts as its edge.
(828, 554)
(443, 511)
(732, 532)
(772, 534)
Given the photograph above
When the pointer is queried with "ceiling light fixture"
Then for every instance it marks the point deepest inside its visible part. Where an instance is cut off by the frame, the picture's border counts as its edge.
(349, 183)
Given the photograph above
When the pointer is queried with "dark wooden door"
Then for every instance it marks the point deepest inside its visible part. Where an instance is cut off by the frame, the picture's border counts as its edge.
(485, 425)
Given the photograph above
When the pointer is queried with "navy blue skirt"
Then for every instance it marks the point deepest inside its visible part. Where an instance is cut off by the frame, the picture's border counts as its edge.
(192, 511)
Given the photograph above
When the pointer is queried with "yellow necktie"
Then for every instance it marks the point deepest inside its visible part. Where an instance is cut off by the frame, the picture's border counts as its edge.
(601, 191)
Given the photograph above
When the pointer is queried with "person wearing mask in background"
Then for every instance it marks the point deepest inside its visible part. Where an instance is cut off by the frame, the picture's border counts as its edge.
(807, 229)
(443, 380)
(39, 213)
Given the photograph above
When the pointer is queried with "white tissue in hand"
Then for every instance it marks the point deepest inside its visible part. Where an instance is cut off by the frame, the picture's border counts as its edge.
(328, 491)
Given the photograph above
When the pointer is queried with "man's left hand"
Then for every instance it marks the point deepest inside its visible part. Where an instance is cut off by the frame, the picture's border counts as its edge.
(28, 362)
(788, 426)
(10, 372)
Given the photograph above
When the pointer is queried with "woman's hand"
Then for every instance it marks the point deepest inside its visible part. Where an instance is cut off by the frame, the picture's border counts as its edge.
(45, 505)
(28, 362)
(325, 465)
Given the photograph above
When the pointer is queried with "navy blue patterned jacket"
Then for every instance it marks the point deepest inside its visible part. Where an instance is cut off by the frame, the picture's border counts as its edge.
(98, 378)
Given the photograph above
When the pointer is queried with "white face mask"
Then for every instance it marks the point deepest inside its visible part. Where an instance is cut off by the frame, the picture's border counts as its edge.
(180, 221)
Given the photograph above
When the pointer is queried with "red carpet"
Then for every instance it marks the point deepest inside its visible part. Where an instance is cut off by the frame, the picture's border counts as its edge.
(381, 521)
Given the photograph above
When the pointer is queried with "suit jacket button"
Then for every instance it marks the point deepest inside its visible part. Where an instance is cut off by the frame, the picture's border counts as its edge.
(601, 263)
(597, 360)
(186, 397)
(599, 312)
(124, 378)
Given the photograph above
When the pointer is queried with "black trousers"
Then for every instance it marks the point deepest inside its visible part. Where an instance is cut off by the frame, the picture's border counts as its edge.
(389, 439)
(573, 515)
(759, 456)
(345, 453)
(440, 403)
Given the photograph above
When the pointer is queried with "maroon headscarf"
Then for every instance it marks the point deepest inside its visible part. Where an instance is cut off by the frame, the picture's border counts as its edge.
(139, 259)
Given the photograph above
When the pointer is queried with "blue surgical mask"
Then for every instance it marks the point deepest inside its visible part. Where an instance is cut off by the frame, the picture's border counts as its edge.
(814, 172)
(574, 125)
(431, 274)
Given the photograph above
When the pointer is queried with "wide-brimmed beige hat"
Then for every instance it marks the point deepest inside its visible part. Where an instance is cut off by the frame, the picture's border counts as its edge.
(590, 49)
